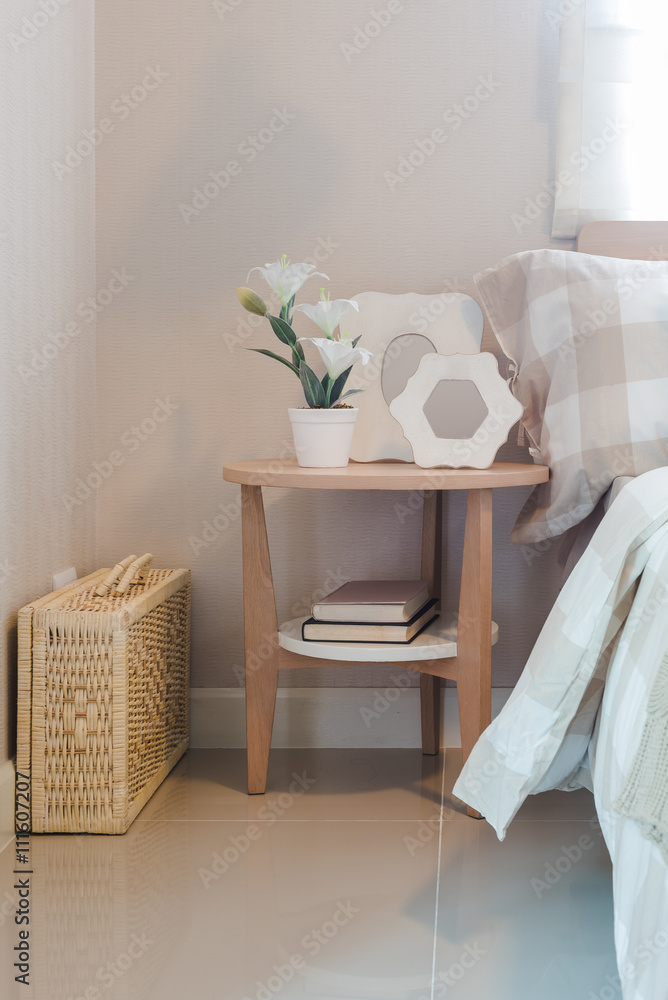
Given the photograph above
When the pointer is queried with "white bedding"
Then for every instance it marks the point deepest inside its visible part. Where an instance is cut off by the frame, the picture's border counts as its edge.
(580, 705)
(640, 874)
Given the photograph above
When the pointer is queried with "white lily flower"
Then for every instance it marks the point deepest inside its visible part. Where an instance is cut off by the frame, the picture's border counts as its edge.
(327, 315)
(339, 355)
(285, 279)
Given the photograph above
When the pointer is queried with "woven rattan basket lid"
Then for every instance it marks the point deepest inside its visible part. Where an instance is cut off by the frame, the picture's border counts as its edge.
(117, 610)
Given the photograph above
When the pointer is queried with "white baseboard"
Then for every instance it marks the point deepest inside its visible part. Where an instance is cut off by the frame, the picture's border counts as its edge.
(7, 782)
(327, 717)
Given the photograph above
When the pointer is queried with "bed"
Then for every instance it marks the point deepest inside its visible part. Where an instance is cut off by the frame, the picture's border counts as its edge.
(596, 683)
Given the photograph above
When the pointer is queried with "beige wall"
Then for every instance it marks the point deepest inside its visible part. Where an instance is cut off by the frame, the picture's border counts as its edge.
(47, 374)
(202, 78)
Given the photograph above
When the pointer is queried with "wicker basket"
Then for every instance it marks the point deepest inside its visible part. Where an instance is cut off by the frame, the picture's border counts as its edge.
(103, 685)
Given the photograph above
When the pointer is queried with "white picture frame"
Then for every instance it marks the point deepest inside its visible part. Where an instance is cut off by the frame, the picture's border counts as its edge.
(452, 323)
(477, 451)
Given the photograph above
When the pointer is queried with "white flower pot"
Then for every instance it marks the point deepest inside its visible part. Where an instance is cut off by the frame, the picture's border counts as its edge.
(323, 437)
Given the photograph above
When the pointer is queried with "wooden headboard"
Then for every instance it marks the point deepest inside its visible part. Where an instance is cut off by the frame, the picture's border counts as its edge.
(633, 240)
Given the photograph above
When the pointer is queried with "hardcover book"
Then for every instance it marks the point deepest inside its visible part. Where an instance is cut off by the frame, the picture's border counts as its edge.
(373, 601)
(313, 630)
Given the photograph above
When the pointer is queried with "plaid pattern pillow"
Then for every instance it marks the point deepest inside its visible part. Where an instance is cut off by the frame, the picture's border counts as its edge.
(589, 340)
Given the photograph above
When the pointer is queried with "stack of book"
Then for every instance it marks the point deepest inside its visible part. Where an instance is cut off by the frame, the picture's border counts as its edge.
(372, 611)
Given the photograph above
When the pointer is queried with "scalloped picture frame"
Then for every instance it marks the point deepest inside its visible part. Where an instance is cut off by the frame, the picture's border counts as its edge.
(477, 451)
(451, 322)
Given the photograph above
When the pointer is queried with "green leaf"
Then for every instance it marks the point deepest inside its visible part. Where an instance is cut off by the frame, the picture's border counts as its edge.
(286, 335)
(357, 340)
(313, 390)
(337, 387)
(277, 357)
(351, 392)
(283, 330)
(326, 384)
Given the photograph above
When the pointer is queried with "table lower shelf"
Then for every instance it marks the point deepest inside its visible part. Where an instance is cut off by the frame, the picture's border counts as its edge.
(437, 642)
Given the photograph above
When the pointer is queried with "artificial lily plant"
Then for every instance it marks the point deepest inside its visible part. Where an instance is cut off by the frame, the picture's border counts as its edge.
(338, 351)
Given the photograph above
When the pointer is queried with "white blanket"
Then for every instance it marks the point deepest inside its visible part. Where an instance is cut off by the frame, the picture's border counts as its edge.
(600, 648)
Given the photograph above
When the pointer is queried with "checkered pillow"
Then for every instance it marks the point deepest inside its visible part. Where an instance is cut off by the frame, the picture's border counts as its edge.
(589, 339)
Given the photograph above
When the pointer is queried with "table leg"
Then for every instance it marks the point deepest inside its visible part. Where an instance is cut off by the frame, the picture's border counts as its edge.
(260, 637)
(430, 712)
(430, 687)
(474, 627)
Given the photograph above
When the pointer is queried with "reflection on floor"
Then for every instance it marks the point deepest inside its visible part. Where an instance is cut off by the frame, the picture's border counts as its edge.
(356, 876)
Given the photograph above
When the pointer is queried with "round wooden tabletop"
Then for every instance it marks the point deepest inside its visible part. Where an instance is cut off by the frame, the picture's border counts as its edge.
(381, 476)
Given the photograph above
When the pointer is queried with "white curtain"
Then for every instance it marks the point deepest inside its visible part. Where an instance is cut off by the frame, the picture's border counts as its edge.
(612, 134)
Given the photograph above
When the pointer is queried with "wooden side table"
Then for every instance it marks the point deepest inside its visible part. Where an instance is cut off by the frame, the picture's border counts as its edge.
(459, 650)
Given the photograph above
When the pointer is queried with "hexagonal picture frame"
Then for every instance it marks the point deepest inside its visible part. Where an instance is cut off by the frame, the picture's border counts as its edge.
(478, 450)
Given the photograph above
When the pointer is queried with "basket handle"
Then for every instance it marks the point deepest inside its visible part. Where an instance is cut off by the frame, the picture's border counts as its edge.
(113, 576)
(139, 569)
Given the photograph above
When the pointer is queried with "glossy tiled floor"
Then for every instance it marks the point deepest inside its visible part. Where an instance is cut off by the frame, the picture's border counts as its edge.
(357, 876)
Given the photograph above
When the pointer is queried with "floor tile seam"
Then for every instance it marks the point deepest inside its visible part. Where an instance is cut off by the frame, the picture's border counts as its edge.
(460, 818)
(255, 819)
(438, 883)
